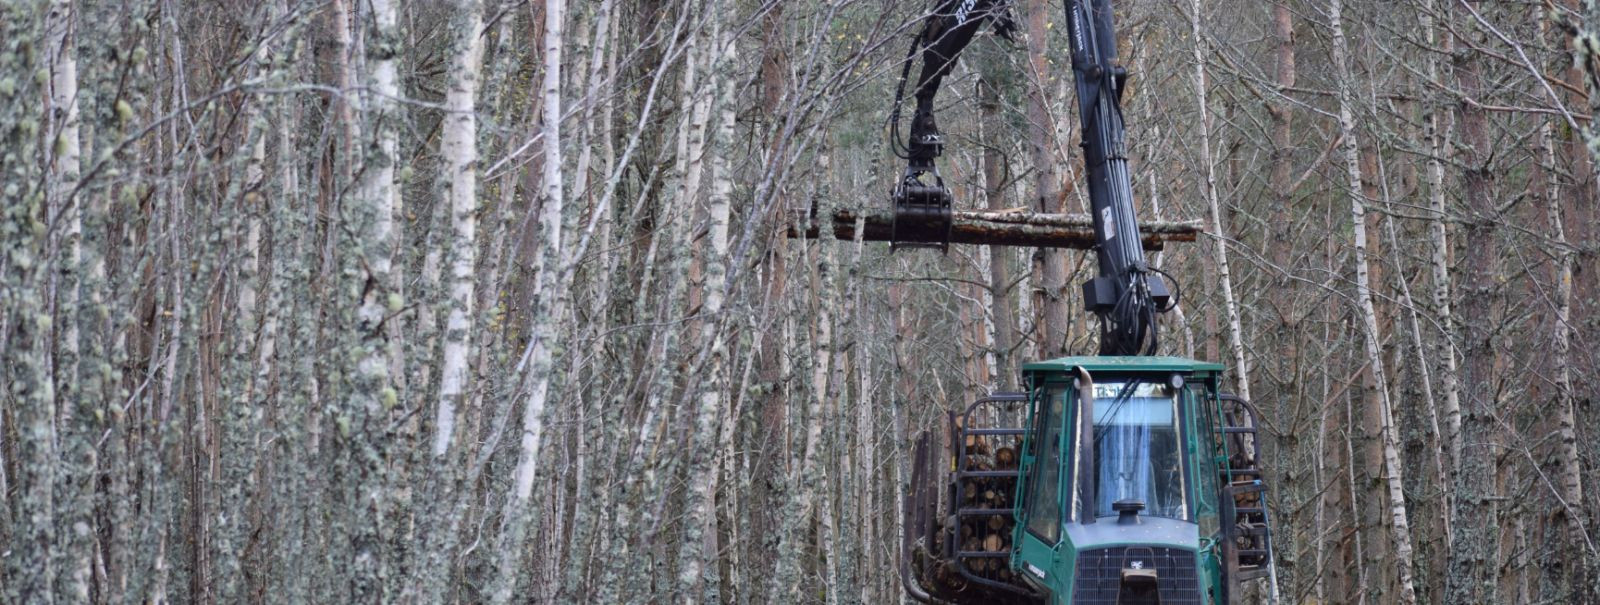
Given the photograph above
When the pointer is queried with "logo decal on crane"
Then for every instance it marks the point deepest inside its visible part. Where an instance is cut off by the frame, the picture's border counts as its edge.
(964, 10)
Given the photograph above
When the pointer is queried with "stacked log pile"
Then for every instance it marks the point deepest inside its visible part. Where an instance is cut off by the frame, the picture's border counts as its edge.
(991, 533)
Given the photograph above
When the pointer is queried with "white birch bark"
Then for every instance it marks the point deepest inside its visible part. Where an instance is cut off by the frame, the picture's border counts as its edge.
(597, 506)
(1219, 232)
(460, 151)
(380, 190)
(1401, 529)
(1570, 476)
(241, 421)
(373, 210)
(550, 222)
(1440, 465)
(65, 155)
(673, 246)
(1439, 248)
(866, 444)
(546, 309)
(826, 362)
(637, 471)
(785, 585)
(74, 542)
(284, 310)
(694, 556)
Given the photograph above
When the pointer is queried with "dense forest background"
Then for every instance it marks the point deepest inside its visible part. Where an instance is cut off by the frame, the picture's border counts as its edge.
(474, 301)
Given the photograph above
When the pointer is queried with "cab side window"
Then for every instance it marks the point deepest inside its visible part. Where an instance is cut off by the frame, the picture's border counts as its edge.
(1044, 483)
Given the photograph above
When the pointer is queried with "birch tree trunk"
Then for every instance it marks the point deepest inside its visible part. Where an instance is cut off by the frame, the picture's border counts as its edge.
(1377, 384)
(1436, 131)
(460, 150)
(241, 418)
(802, 503)
(1436, 137)
(1441, 471)
(223, 333)
(372, 213)
(1570, 472)
(694, 556)
(65, 152)
(596, 505)
(286, 318)
(1218, 230)
(77, 307)
(547, 310)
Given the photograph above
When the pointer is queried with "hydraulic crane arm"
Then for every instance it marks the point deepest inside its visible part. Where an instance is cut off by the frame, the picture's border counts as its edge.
(1126, 296)
(922, 203)
(945, 33)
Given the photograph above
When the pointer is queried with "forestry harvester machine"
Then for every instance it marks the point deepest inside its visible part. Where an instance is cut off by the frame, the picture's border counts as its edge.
(1118, 478)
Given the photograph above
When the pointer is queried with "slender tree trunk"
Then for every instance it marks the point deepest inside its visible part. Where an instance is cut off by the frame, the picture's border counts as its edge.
(1286, 384)
(802, 504)
(76, 308)
(547, 310)
(1440, 469)
(775, 354)
(287, 318)
(460, 150)
(32, 562)
(1569, 475)
(1000, 306)
(694, 556)
(1473, 554)
(1282, 115)
(1439, 247)
(376, 203)
(595, 506)
(1377, 396)
(1218, 230)
(1042, 141)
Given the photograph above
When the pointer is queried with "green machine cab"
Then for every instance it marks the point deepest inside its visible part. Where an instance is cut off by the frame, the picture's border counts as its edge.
(1120, 478)
(1111, 480)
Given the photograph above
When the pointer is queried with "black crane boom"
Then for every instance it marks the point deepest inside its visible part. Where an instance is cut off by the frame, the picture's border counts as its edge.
(1127, 295)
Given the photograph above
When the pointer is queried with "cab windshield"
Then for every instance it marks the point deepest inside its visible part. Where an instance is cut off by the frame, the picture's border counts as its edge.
(1136, 449)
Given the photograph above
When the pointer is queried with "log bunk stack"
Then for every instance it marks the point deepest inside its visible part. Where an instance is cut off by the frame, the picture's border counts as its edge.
(991, 533)
(981, 533)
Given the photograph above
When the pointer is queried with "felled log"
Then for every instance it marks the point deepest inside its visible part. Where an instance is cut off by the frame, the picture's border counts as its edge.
(993, 543)
(1005, 458)
(1007, 228)
(997, 523)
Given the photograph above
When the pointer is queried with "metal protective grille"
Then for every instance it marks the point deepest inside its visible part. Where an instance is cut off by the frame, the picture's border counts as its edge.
(1100, 572)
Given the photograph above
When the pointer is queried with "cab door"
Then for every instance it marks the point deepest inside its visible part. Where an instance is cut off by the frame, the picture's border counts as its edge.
(1042, 491)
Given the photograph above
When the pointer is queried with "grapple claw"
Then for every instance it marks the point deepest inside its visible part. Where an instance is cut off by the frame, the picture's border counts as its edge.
(922, 213)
